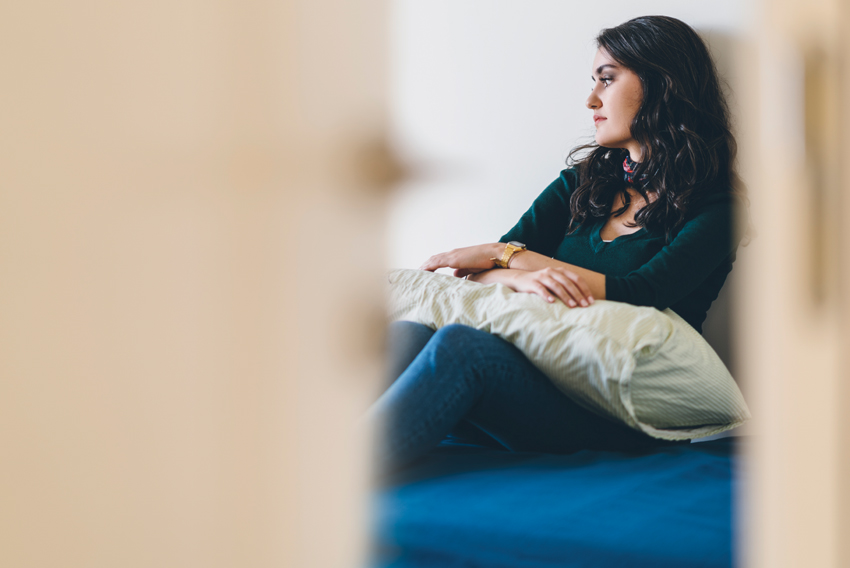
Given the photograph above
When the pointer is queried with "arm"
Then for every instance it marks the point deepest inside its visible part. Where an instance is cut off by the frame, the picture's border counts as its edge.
(704, 243)
(537, 274)
(541, 228)
(543, 225)
(532, 261)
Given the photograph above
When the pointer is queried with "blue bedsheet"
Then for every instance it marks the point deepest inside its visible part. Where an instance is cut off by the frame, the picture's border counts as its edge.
(467, 507)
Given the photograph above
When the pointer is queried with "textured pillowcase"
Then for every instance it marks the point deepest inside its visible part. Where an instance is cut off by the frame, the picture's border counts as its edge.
(646, 368)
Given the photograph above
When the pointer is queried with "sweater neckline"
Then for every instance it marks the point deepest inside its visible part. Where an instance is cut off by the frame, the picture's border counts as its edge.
(597, 244)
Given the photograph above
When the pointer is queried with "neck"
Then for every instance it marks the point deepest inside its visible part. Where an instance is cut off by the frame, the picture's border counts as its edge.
(635, 153)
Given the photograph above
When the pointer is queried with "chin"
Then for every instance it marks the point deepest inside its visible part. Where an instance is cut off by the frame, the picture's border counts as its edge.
(603, 141)
(619, 140)
(608, 143)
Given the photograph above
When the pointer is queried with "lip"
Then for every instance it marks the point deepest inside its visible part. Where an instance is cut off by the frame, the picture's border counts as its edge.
(597, 119)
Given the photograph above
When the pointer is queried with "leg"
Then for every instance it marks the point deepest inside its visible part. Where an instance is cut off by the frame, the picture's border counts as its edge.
(405, 341)
(463, 372)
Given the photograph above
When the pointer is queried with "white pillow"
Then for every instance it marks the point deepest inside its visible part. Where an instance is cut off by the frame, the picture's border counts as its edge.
(646, 368)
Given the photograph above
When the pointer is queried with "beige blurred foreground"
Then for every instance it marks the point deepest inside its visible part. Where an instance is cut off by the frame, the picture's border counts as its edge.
(794, 310)
(190, 252)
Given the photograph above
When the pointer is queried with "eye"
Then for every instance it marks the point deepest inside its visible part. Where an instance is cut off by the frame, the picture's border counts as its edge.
(604, 80)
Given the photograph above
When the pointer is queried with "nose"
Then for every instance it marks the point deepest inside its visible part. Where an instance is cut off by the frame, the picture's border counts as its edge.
(593, 101)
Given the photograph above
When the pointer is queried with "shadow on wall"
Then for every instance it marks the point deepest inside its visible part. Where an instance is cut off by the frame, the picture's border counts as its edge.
(718, 328)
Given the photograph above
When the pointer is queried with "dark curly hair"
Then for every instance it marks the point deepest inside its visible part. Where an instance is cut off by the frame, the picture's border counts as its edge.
(682, 126)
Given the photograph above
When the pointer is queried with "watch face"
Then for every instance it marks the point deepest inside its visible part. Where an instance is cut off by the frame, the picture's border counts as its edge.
(517, 244)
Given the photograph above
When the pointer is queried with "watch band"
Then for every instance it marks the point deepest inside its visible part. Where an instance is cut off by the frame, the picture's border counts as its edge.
(511, 249)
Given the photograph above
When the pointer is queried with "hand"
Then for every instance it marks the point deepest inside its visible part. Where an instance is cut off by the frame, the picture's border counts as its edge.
(467, 260)
(553, 282)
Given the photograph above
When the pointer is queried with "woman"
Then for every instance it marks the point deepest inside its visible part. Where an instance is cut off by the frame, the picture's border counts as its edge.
(643, 216)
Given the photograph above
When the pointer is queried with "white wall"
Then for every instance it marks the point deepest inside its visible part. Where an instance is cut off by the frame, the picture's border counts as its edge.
(488, 99)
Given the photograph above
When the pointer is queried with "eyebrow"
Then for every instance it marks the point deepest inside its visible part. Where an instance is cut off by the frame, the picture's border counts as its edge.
(600, 68)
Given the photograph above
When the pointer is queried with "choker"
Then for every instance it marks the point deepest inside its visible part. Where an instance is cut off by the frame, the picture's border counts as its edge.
(629, 168)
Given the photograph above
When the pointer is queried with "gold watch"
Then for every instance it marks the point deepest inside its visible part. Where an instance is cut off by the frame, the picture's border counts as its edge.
(511, 249)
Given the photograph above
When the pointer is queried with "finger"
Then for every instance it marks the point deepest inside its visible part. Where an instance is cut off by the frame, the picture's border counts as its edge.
(543, 292)
(556, 289)
(580, 282)
(560, 290)
(573, 290)
(432, 264)
(461, 272)
(572, 287)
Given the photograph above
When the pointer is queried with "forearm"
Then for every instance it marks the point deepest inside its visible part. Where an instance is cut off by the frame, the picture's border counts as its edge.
(527, 272)
(529, 260)
(495, 276)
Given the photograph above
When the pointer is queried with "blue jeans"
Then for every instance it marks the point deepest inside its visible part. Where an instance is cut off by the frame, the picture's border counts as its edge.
(478, 387)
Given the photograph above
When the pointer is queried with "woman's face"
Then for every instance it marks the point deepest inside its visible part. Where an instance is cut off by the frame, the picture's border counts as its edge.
(615, 99)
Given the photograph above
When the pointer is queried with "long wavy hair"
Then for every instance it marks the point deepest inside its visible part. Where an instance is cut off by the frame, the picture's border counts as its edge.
(682, 126)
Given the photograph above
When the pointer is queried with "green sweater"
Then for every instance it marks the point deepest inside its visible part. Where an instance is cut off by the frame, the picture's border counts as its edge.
(641, 268)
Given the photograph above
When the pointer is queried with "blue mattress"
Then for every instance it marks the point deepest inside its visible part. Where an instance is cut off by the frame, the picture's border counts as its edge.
(467, 506)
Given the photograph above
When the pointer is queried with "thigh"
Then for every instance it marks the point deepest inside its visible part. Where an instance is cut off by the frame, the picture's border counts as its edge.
(523, 409)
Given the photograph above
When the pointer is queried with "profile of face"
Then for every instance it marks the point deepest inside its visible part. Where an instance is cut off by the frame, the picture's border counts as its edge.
(615, 99)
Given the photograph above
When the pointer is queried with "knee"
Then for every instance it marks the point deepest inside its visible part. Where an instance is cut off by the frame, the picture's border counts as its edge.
(455, 330)
(470, 353)
(404, 332)
(463, 337)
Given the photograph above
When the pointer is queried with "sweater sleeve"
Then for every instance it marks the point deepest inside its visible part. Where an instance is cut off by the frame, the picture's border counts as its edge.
(705, 242)
(543, 226)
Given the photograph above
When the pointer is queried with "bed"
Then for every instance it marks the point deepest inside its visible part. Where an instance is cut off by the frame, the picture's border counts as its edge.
(471, 506)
